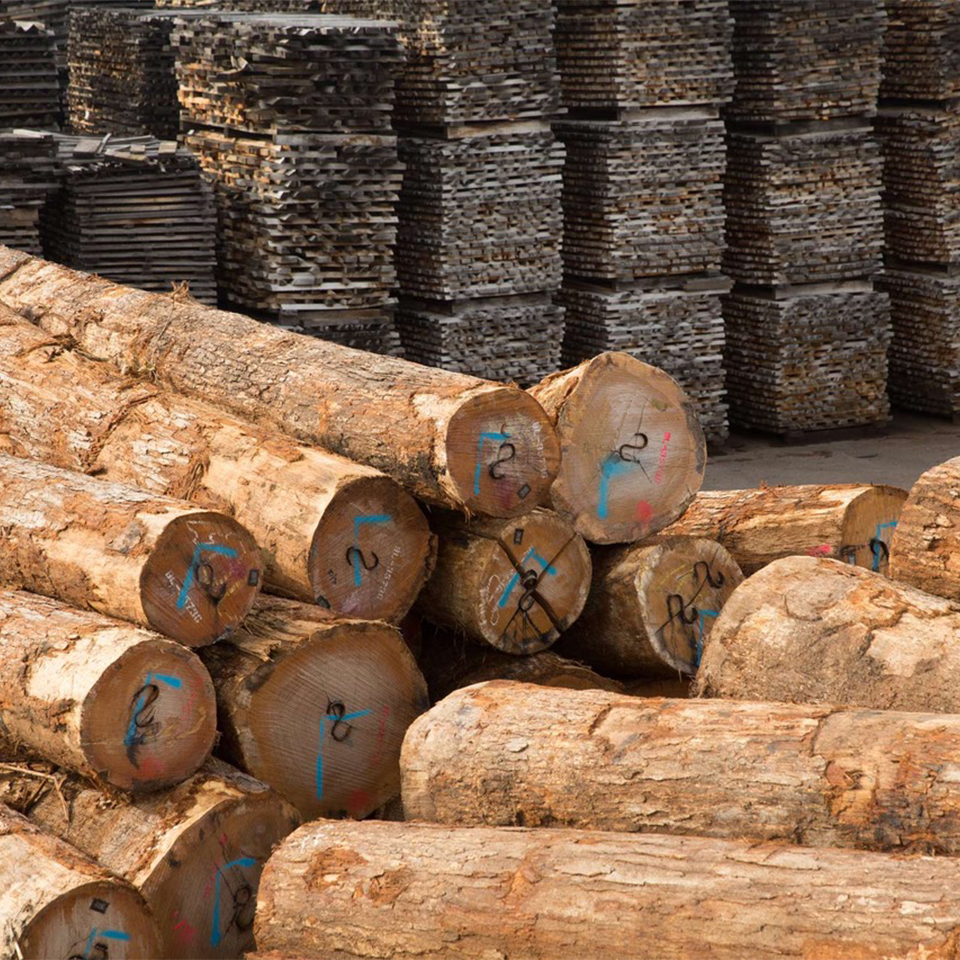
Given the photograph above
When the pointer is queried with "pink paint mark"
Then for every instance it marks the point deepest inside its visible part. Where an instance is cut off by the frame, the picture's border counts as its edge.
(187, 935)
(359, 799)
(381, 737)
(644, 512)
(824, 550)
(663, 458)
(150, 767)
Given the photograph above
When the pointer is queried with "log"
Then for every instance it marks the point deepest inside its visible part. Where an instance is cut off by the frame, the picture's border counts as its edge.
(195, 852)
(103, 698)
(315, 707)
(515, 585)
(505, 754)
(805, 630)
(332, 532)
(450, 439)
(450, 662)
(849, 522)
(632, 450)
(926, 551)
(58, 903)
(651, 607)
(430, 891)
(189, 573)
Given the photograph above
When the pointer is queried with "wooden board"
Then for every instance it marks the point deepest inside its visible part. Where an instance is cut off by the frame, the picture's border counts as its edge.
(921, 50)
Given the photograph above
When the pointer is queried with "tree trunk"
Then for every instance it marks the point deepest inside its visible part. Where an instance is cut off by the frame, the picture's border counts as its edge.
(55, 902)
(452, 440)
(926, 549)
(186, 572)
(804, 630)
(104, 698)
(652, 606)
(849, 522)
(343, 890)
(633, 452)
(502, 754)
(315, 707)
(195, 852)
(515, 585)
(332, 532)
(449, 663)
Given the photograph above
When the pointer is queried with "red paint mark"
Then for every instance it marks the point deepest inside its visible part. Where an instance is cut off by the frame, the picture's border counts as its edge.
(150, 767)
(381, 737)
(644, 512)
(663, 458)
(824, 550)
(187, 935)
(359, 799)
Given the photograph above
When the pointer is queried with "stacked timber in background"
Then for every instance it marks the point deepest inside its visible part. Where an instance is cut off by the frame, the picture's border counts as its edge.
(807, 333)
(29, 87)
(919, 131)
(299, 147)
(28, 175)
(643, 217)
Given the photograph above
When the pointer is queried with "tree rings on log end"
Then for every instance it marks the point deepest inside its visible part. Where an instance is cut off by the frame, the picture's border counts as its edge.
(150, 721)
(371, 552)
(502, 453)
(869, 525)
(201, 578)
(633, 450)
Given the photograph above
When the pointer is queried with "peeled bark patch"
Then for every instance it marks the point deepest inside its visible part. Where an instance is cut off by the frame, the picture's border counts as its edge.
(633, 451)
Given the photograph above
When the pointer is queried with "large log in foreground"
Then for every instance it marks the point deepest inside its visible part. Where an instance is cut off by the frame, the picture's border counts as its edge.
(850, 522)
(57, 903)
(332, 532)
(189, 573)
(317, 707)
(450, 439)
(805, 630)
(633, 451)
(429, 891)
(195, 852)
(101, 697)
(506, 754)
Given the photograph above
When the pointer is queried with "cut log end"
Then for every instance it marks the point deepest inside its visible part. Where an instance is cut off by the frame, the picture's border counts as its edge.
(150, 721)
(868, 527)
(372, 551)
(502, 453)
(201, 579)
(633, 451)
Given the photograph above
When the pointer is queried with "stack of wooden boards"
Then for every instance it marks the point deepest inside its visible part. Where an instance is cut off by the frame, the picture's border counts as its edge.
(135, 210)
(29, 86)
(643, 218)
(919, 130)
(807, 334)
(28, 174)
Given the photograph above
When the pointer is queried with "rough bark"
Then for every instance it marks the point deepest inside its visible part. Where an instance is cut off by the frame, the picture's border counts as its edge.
(822, 776)
(332, 532)
(55, 902)
(342, 890)
(805, 630)
(632, 449)
(102, 697)
(850, 522)
(189, 573)
(452, 440)
(926, 549)
(515, 585)
(450, 662)
(652, 606)
(195, 852)
(284, 680)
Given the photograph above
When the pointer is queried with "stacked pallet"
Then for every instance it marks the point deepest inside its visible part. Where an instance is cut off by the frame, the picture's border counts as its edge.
(807, 334)
(919, 131)
(28, 175)
(299, 147)
(29, 87)
(135, 210)
(643, 216)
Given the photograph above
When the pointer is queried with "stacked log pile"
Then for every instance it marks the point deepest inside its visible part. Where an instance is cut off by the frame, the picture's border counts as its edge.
(28, 175)
(919, 131)
(807, 334)
(299, 147)
(642, 209)
(29, 87)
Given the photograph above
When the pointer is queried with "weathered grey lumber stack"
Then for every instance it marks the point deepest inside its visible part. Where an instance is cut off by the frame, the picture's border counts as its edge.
(135, 210)
(919, 130)
(643, 217)
(29, 88)
(27, 177)
(290, 117)
(807, 334)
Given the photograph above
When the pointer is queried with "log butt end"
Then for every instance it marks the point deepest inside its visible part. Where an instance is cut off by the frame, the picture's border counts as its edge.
(869, 525)
(201, 579)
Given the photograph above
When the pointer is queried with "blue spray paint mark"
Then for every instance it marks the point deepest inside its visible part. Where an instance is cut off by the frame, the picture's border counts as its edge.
(358, 522)
(170, 681)
(323, 733)
(704, 613)
(515, 579)
(878, 535)
(194, 563)
(215, 935)
(500, 438)
(107, 934)
(613, 466)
